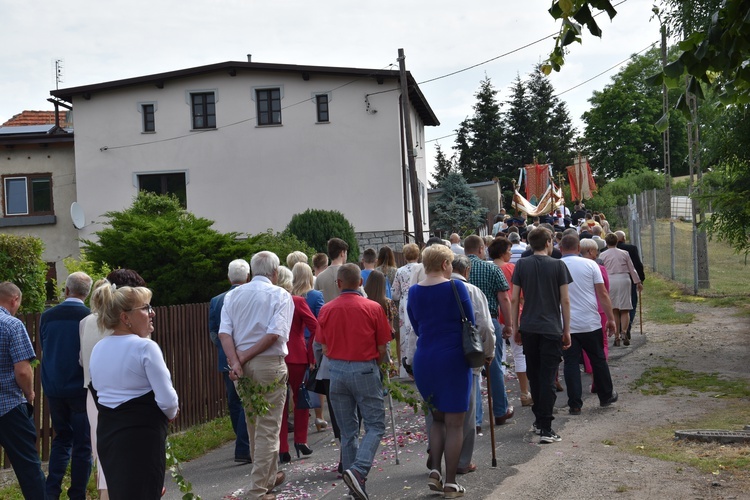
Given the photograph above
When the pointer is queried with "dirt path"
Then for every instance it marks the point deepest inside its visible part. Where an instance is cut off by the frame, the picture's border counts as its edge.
(582, 466)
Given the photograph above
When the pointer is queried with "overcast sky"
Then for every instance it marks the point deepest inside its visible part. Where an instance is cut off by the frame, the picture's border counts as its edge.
(100, 41)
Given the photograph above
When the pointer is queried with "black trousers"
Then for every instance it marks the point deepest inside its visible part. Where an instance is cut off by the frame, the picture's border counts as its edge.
(593, 344)
(543, 355)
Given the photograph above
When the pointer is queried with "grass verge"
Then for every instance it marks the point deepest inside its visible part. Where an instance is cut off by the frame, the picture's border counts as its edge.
(659, 297)
(665, 378)
(714, 458)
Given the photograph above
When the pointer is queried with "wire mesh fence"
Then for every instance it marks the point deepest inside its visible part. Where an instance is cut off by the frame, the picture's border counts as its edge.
(673, 245)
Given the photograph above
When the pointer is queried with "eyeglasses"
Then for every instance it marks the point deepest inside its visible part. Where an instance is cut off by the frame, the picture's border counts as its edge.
(146, 308)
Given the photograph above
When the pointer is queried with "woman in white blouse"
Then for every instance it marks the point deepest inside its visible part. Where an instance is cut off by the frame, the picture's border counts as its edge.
(133, 391)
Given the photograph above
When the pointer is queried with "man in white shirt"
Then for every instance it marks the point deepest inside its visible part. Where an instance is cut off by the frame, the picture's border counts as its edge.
(456, 247)
(255, 323)
(585, 325)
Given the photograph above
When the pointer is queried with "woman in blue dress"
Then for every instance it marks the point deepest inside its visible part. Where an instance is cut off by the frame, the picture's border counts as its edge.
(440, 371)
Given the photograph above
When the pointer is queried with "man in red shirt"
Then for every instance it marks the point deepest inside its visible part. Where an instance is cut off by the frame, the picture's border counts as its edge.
(354, 332)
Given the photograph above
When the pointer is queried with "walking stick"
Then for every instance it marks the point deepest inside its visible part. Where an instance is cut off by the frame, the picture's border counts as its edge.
(640, 310)
(492, 415)
(393, 421)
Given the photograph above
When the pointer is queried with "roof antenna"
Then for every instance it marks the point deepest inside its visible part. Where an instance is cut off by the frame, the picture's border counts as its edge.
(58, 73)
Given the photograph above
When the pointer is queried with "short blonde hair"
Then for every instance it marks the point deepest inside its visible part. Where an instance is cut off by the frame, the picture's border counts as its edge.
(285, 279)
(411, 251)
(113, 301)
(295, 257)
(434, 256)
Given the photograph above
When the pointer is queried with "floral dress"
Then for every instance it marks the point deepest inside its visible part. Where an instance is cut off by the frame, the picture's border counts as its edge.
(399, 292)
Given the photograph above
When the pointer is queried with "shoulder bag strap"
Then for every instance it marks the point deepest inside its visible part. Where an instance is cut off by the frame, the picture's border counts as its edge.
(458, 299)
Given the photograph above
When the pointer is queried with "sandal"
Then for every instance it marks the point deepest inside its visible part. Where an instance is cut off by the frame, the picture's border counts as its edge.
(458, 490)
(526, 399)
(435, 484)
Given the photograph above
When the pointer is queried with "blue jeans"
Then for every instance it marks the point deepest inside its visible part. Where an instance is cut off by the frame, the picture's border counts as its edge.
(357, 385)
(18, 438)
(237, 416)
(478, 403)
(497, 379)
(72, 443)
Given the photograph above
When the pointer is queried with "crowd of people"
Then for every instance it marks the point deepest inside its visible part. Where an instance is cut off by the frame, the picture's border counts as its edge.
(546, 293)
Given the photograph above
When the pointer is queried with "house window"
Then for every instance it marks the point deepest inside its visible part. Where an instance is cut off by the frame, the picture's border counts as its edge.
(269, 106)
(321, 105)
(166, 183)
(149, 120)
(28, 194)
(204, 110)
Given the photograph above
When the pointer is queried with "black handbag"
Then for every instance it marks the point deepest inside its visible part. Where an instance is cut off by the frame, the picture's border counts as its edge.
(470, 339)
(314, 385)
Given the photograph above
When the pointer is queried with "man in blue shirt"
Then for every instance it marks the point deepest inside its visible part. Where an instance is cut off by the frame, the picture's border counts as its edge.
(238, 274)
(62, 380)
(17, 430)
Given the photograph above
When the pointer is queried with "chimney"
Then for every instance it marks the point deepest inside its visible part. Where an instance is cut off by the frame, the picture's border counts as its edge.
(249, 58)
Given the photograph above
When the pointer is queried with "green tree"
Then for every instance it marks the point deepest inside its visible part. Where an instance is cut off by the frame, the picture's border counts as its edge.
(443, 167)
(552, 129)
(479, 142)
(21, 263)
(727, 189)
(620, 134)
(180, 256)
(316, 227)
(458, 209)
(519, 134)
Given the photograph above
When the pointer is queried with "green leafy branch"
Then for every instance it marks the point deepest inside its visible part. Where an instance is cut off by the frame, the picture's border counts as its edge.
(174, 468)
(405, 394)
(253, 396)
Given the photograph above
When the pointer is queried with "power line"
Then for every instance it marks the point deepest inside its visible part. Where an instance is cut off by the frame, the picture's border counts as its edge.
(607, 70)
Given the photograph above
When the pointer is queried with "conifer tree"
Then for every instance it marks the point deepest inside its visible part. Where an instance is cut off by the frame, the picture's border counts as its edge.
(458, 209)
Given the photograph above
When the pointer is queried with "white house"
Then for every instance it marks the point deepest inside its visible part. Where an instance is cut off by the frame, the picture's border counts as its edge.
(38, 185)
(250, 144)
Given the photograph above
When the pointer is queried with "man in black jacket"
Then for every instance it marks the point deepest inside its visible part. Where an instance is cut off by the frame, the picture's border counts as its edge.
(636, 258)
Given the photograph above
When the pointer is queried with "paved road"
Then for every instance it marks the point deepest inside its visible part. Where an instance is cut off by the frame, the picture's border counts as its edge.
(215, 476)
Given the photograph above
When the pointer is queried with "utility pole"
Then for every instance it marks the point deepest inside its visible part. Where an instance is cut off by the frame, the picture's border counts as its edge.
(416, 206)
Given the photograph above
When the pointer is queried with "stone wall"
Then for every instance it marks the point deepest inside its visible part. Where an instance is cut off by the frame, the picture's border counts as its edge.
(377, 239)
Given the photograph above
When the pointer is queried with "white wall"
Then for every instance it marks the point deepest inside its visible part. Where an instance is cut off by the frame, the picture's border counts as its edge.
(244, 177)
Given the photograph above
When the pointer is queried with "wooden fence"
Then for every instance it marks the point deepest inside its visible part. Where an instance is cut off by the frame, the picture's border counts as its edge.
(182, 333)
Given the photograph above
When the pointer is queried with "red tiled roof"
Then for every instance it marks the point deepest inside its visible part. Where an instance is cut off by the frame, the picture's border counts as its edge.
(35, 118)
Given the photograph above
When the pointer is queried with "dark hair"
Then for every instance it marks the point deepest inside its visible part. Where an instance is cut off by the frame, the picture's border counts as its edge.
(386, 257)
(125, 277)
(336, 246)
(434, 241)
(375, 289)
(569, 242)
(538, 238)
(369, 256)
(611, 240)
(320, 260)
(498, 248)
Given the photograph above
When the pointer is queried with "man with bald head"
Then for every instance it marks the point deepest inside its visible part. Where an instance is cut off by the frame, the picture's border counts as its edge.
(17, 430)
(354, 332)
(456, 244)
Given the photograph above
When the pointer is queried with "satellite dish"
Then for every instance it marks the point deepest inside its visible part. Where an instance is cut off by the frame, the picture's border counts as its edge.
(76, 213)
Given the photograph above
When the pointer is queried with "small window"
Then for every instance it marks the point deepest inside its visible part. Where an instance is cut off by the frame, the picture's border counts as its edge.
(269, 106)
(321, 105)
(204, 110)
(149, 120)
(28, 195)
(167, 183)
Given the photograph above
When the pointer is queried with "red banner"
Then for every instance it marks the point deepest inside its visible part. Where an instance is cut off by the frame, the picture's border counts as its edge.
(537, 181)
